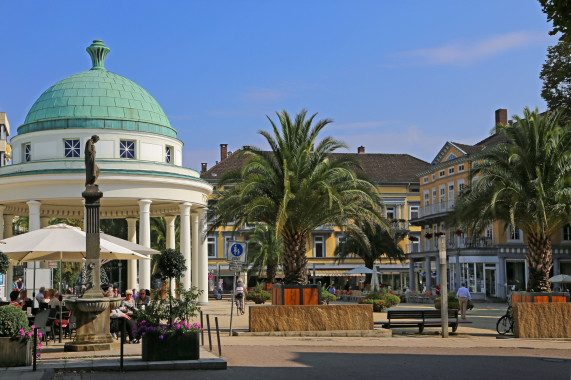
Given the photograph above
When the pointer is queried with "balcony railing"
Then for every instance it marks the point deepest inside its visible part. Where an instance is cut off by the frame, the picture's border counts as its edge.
(437, 208)
(459, 242)
(400, 225)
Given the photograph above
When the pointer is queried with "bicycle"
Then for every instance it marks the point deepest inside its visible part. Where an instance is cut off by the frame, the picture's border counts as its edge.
(239, 304)
(506, 323)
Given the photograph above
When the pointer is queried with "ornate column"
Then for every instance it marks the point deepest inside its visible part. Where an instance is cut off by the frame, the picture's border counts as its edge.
(428, 271)
(33, 224)
(145, 240)
(34, 215)
(171, 242)
(44, 222)
(203, 259)
(6, 232)
(132, 264)
(195, 220)
(185, 241)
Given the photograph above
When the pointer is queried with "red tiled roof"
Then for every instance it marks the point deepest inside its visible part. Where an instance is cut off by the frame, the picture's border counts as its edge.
(378, 167)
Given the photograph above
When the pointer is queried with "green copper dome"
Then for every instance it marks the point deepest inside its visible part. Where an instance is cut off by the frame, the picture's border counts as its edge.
(97, 99)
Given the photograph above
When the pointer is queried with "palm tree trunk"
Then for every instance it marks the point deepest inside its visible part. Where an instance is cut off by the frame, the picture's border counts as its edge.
(271, 273)
(294, 261)
(539, 261)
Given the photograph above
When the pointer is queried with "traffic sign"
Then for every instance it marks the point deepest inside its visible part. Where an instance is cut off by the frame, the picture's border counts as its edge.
(235, 267)
(236, 251)
(53, 264)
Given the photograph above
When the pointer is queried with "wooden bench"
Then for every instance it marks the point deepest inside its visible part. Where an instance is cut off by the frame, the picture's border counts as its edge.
(420, 319)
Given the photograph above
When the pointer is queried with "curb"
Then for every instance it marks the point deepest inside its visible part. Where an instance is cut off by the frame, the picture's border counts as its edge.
(379, 333)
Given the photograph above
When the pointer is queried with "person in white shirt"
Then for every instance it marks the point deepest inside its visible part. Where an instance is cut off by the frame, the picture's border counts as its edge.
(463, 295)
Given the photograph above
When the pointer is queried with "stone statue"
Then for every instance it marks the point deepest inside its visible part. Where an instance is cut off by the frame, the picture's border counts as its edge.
(91, 168)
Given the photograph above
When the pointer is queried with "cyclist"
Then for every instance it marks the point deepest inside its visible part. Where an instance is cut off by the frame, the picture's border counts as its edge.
(241, 292)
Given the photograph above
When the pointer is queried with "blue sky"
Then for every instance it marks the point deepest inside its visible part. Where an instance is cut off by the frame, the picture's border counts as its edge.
(395, 76)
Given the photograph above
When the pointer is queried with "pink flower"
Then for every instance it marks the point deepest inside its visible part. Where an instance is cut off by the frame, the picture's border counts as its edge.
(161, 336)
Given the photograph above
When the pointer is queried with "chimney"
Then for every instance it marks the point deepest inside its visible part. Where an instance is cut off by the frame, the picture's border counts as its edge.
(223, 152)
(361, 149)
(204, 167)
(501, 116)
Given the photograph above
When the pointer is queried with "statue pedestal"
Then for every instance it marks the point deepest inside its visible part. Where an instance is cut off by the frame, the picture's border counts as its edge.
(92, 324)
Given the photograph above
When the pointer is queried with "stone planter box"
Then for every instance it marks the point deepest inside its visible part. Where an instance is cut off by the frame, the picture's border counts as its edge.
(15, 352)
(311, 318)
(296, 294)
(542, 320)
(171, 347)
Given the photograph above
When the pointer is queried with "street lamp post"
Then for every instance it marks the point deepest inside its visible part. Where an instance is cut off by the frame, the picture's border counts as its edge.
(443, 286)
(120, 266)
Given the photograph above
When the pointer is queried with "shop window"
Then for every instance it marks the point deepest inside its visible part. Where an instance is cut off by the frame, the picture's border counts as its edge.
(515, 275)
(71, 148)
(318, 246)
(127, 149)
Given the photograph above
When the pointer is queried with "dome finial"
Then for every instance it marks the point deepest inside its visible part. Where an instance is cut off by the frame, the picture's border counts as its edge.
(98, 51)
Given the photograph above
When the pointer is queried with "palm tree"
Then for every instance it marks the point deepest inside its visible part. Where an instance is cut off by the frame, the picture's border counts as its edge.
(370, 242)
(265, 250)
(296, 187)
(525, 183)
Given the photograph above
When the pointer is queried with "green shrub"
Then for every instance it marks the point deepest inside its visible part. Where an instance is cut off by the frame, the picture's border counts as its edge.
(327, 297)
(452, 302)
(258, 295)
(12, 320)
(381, 300)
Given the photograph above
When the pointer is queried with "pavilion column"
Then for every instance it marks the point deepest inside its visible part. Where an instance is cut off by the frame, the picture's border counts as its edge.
(145, 240)
(411, 281)
(171, 242)
(44, 222)
(6, 232)
(185, 242)
(2, 223)
(428, 271)
(132, 264)
(203, 259)
(195, 220)
(33, 223)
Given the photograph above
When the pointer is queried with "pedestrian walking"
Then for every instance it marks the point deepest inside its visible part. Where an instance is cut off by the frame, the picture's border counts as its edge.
(463, 295)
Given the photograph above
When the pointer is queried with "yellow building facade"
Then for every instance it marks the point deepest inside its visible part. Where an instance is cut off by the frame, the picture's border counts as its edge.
(394, 176)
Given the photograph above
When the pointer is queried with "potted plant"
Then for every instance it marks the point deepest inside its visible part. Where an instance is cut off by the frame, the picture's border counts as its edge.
(259, 295)
(428, 235)
(458, 232)
(15, 338)
(164, 324)
(438, 234)
(452, 302)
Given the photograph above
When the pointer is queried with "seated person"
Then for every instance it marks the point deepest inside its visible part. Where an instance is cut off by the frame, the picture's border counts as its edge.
(109, 292)
(125, 314)
(14, 299)
(53, 299)
(142, 299)
(40, 296)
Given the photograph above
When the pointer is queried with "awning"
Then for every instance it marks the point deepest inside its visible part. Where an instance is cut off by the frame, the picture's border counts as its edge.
(333, 273)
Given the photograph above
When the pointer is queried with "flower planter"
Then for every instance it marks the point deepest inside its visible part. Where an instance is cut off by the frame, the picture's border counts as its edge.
(15, 352)
(171, 347)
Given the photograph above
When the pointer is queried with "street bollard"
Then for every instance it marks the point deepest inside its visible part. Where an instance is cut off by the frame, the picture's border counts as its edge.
(123, 332)
(209, 336)
(34, 350)
(202, 325)
(218, 337)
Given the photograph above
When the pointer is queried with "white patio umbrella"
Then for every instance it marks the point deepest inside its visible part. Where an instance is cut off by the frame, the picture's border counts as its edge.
(359, 270)
(60, 242)
(558, 279)
(141, 249)
(375, 280)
